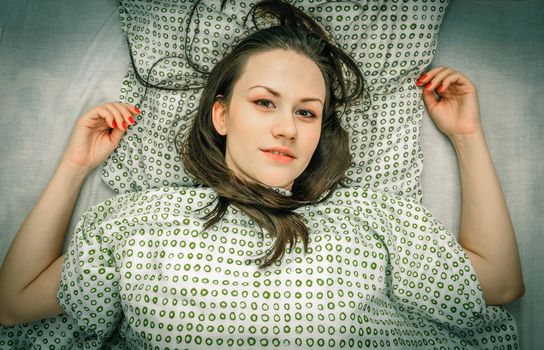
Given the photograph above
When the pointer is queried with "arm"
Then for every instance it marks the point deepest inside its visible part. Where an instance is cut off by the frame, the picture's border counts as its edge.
(486, 231)
(34, 257)
(31, 271)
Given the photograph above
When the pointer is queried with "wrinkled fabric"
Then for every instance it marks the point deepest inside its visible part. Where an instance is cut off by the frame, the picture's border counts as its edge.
(142, 272)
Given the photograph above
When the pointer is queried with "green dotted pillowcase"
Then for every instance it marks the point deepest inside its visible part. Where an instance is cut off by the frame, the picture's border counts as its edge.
(392, 41)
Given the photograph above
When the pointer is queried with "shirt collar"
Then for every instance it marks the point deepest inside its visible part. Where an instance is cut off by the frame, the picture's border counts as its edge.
(281, 191)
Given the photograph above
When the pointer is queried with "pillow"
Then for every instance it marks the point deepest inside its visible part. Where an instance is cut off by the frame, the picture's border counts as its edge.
(393, 43)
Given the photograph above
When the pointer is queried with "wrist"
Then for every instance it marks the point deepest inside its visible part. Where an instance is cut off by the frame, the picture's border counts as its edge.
(465, 140)
(470, 149)
(74, 170)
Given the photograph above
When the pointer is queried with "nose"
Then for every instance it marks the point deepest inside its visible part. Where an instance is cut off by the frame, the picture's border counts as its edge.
(285, 125)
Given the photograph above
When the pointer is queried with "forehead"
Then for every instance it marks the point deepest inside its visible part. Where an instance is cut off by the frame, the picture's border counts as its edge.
(288, 72)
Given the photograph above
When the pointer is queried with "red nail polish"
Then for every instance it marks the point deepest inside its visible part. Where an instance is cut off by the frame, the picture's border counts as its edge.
(423, 77)
(131, 120)
(124, 125)
(428, 87)
(441, 88)
(113, 125)
(137, 110)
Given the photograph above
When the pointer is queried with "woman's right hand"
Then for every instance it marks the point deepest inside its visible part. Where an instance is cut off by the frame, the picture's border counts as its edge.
(97, 133)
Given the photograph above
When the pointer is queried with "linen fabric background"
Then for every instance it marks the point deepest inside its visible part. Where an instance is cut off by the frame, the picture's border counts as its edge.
(60, 59)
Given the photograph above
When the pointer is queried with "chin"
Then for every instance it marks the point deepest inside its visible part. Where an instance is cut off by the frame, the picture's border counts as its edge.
(286, 184)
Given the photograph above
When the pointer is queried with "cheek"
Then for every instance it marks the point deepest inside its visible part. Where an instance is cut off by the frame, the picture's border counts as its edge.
(314, 138)
(308, 145)
(239, 119)
(242, 132)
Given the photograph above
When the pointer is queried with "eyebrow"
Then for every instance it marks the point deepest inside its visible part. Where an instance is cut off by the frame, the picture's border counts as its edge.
(277, 94)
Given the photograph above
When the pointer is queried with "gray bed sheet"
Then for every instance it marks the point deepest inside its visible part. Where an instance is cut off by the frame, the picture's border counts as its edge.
(61, 58)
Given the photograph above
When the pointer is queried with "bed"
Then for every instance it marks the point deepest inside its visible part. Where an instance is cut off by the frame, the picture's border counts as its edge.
(59, 59)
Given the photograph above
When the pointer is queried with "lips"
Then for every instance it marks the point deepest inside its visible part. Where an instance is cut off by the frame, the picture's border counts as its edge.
(280, 155)
(280, 151)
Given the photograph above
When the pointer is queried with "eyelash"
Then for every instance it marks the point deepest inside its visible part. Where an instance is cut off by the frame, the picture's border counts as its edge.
(312, 115)
(258, 102)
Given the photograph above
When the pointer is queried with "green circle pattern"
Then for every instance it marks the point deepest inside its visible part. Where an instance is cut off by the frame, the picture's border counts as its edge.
(393, 42)
(381, 272)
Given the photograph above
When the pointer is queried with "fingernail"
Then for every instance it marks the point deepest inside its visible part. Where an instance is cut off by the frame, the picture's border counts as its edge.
(419, 83)
(137, 110)
(428, 87)
(441, 88)
(131, 120)
(423, 77)
(113, 125)
(124, 125)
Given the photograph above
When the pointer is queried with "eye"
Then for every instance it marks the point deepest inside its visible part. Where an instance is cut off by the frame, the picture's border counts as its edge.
(307, 113)
(264, 103)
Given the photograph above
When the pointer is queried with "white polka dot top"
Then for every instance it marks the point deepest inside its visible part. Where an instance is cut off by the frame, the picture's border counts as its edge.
(381, 272)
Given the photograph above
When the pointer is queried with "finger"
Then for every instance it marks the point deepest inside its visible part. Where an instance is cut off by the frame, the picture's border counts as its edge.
(133, 109)
(429, 75)
(437, 79)
(104, 113)
(430, 99)
(117, 116)
(116, 135)
(456, 78)
(447, 81)
(125, 112)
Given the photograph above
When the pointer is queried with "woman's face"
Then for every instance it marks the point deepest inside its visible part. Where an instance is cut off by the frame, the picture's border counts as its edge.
(273, 121)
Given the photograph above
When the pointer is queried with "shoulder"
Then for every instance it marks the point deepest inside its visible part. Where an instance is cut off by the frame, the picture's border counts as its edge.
(348, 197)
(361, 203)
(181, 200)
(159, 195)
(366, 196)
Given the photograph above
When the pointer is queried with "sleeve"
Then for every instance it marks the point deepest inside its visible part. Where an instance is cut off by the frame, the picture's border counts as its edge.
(428, 272)
(60, 332)
(89, 286)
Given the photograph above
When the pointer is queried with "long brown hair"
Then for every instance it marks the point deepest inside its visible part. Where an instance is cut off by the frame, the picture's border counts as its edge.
(203, 149)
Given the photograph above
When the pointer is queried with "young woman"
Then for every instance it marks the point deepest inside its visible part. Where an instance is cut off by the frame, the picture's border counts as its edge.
(218, 265)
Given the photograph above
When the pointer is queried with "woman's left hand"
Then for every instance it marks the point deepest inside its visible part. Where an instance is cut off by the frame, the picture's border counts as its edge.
(457, 111)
